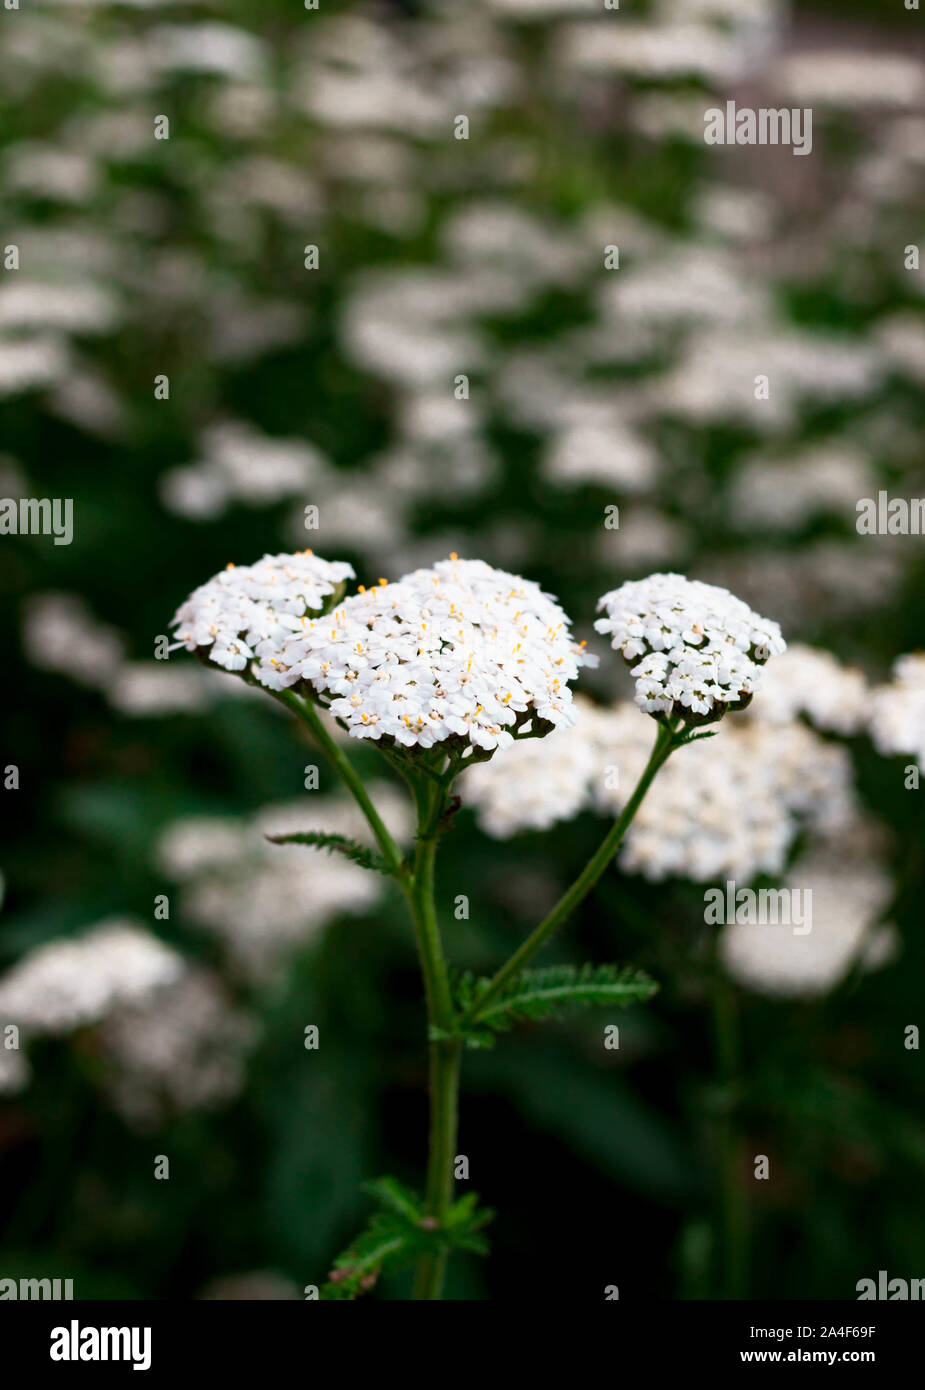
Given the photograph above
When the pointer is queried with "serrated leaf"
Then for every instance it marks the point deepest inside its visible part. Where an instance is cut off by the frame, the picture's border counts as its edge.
(355, 1271)
(536, 995)
(397, 1198)
(695, 738)
(336, 844)
(398, 1233)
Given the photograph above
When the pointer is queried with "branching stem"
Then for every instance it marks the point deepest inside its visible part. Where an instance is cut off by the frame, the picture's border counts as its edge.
(431, 789)
(666, 741)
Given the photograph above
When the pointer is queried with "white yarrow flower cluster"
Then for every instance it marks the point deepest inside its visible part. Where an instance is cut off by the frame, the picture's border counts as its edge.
(727, 807)
(535, 783)
(73, 983)
(814, 683)
(461, 651)
(897, 718)
(184, 1049)
(700, 647)
(848, 897)
(247, 610)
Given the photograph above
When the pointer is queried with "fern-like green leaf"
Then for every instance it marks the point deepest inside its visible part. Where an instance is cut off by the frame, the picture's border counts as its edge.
(395, 1197)
(336, 844)
(398, 1233)
(536, 995)
(384, 1242)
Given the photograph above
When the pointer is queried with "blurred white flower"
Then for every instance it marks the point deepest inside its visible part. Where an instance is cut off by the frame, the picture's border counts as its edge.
(715, 377)
(534, 784)
(785, 495)
(731, 806)
(362, 76)
(46, 171)
(506, 237)
(207, 48)
(833, 77)
(902, 337)
(263, 900)
(897, 716)
(70, 983)
(807, 680)
(649, 50)
(142, 688)
(645, 537)
(411, 326)
(733, 210)
(543, 9)
(601, 448)
(436, 416)
(34, 305)
(27, 364)
(182, 1050)
(86, 399)
(848, 897)
(241, 464)
(60, 633)
(690, 285)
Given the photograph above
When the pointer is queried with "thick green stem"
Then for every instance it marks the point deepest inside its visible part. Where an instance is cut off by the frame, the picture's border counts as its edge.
(430, 949)
(445, 1065)
(306, 711)
(666, 741)
(445, 1053)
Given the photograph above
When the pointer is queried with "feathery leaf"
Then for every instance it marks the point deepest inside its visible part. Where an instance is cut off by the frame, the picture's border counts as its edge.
(339, 844)
(535, 995)
(398, 1233)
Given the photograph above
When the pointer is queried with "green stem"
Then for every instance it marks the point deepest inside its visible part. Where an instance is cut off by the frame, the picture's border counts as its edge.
(733, 1196)
(445, 1066)
(445, 1053)
(417, 883)
(424, 912)
(666, 741)
(306, 711)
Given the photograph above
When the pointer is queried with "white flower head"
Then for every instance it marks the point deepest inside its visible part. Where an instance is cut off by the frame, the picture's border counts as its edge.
(460, 652)
(694, 649)
(225, 619)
